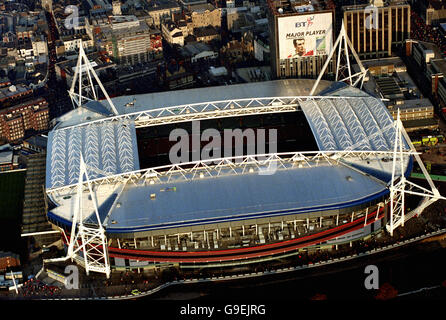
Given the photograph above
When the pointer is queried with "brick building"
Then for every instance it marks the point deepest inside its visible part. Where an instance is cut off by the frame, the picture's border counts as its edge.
(14, 93)
(30, 115)
(8, 259)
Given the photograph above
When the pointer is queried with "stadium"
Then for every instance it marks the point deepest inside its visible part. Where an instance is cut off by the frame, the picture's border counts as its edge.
(119, 202)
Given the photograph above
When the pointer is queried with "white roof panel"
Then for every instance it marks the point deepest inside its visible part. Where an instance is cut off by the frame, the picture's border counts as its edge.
(363, 123)
(108, 148)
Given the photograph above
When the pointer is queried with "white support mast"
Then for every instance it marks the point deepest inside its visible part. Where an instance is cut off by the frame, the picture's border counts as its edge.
(400, 186)
(88, 238)
(86, 92)
(343, 68)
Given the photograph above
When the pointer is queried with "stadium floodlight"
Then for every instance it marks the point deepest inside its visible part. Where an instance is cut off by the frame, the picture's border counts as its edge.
(343, 44)
(90, 239)
(84, 66)
(400, 186)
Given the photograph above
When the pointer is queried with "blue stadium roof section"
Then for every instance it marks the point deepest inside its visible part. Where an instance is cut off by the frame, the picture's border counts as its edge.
(240, 197)
(276, 88)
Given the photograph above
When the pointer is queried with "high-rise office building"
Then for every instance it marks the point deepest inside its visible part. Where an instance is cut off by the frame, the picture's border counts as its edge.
(375, 31)
(301, 37)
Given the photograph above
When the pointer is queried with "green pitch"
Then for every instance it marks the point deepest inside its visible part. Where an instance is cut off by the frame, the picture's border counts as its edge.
(12, 185)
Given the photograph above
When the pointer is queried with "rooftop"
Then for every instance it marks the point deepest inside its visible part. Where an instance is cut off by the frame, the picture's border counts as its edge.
(11, 91)
(6, 157)
(69, 66)
(277, 88)
(39, 141)
(294, 7)
(38, 103)
(162, 5)
(361, 4)
(436, 4)
(200, 7)
(123, 28)
(428, 122)
(239, 197)
(414, 103)
(345, 119)
(205, 31)
(439, 65)
(182, 200)
(192, 49)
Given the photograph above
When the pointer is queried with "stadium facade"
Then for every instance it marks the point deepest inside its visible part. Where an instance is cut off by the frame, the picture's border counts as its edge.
(222, 212)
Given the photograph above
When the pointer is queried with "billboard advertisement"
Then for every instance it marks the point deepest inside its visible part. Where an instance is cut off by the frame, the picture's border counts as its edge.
(305, 35)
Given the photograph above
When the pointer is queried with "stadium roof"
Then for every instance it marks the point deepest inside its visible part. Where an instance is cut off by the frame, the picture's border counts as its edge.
(150, 101)
(108, 148)
(229, 198)
(243, 196)
(341, 118)
(342, 124)
(347, 119)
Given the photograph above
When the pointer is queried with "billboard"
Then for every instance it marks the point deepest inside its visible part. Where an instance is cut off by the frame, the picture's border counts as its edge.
(305, 35)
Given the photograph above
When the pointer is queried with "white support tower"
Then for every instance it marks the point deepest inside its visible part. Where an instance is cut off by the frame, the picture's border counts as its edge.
(88, 238)
(400, 186)
(343, 65)
(86, 91)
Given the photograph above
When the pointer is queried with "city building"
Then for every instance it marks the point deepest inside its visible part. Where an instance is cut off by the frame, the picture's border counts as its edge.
(207, 34)
(374, 39)
(162, 10)
(301, 37)
(236, 50)
(388, 79)
(206, 17)
(9, 94)
(261, 47)
(23, 35)
(65, 69)
(30, 115)
(8, 260)
(239, 19)
(433, 11)
(8, 161)
(40, 46)
(230, 3)
(187, 3)
(116, 8)
(414, 109)
(36, 143)
(197, 52)
(128, 40)
(71, 42)
(172, 33)
(176, 76)
(431, 67)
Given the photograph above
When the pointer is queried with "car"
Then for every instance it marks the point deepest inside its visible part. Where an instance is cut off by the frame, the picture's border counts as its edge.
(135, 292)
